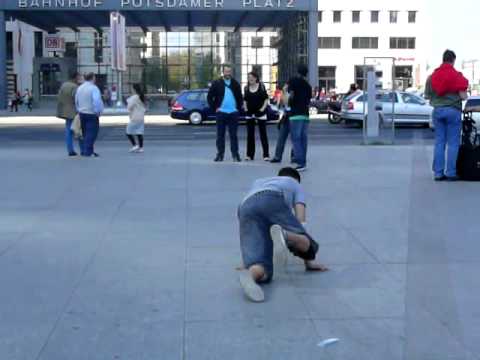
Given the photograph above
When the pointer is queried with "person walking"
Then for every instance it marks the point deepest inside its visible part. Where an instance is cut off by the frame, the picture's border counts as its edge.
(255, 105)
(29, 100)
(300, 95)
(66, 109)
(283, 126)
(225, 98)
(17, 100)
(446, 88)
(89, 104)
(136, 125)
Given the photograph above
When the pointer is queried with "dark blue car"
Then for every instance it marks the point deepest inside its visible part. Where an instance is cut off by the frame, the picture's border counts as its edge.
(192, 105)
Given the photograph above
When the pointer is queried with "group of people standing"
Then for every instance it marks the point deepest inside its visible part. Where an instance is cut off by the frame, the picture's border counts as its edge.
(18, 99)
(226, 98)
(80, 98)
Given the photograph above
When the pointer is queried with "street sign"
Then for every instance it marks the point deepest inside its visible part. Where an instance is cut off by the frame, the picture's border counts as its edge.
(118, 41)
(54, 43)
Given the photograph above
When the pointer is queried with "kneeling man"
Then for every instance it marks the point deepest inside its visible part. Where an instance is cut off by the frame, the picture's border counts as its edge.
(268, 226)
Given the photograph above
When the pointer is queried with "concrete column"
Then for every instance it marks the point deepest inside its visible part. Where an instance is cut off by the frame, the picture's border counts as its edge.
(3, 62)
(313, 48)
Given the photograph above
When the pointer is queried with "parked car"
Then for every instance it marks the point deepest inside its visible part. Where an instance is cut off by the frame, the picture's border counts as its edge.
(408, 108)
(192, 105)
(471, 104)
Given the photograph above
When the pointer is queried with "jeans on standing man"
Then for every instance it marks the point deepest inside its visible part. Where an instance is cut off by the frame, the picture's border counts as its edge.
(299, 134)
(448, 125)
(66, 109)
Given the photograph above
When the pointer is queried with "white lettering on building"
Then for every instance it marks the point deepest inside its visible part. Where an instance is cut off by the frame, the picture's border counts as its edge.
(137, 3)
(268, 3)
(59, 3)
(34, 3)
(182, 3)
(46, 3)
(22, 3)
(219, 3)
(72, 3)
(196, 3)
(159, 3)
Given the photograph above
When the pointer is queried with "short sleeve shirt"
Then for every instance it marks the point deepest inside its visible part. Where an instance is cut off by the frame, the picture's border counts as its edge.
(291, 189)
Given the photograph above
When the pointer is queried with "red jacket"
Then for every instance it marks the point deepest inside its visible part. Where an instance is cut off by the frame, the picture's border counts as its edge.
(446, 80)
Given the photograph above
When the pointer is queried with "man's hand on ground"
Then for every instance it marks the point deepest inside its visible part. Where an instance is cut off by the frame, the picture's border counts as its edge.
(313, 266)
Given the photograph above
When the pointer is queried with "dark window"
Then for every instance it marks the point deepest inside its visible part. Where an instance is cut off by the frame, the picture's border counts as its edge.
(38, 44)
(402, 43)
(194, 96)
(355, 17)
(326, 77)
(365, 43)
(412, 99)
(320, 16)
(9, 45)
(329, 43)
(337, 16)
(98, 50)
(71, 50)
(393, 17)
(361, 75)
(412, 17)
(257, 42)
(374, 15)
(383, 97)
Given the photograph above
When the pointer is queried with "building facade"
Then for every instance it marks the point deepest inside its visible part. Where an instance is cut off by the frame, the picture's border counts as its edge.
(351, 31)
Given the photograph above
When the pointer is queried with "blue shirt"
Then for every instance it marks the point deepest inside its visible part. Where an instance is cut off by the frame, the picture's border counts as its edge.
(291, 189)
(229, 104)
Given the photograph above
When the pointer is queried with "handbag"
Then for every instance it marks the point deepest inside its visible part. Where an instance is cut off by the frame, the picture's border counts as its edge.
(77, 127)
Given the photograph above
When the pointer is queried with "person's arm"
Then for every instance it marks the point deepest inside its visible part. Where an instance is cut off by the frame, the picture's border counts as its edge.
(97, 101)
(211, 97)
(428, 88)
(301, 212)
(463, 95)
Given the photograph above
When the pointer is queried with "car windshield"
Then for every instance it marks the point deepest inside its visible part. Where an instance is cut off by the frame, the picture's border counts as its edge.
(382, 97)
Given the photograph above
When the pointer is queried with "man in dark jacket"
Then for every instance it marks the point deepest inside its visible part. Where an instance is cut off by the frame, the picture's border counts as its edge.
(225, 98)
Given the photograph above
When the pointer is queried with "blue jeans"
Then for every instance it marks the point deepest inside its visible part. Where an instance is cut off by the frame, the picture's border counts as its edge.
(448, 124)
(257, 215)
(225, 120)
(90, 128)
(282, 139)
(299, 133)
(69, 137)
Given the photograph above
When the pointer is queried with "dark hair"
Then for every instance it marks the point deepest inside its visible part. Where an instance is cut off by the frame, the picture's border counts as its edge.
(138, 89)
(226, 66)
(302, 69)
(255, 75)
(89, 76)
(73, 74)
(449, 56)
(353, 87)
(290, 172)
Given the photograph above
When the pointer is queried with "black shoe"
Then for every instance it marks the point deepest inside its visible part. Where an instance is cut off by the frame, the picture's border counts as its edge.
(72, 153)
(95, 155)
(236, 158)
(218, 158)
(275, 161)
(440, 178)
(452, 178)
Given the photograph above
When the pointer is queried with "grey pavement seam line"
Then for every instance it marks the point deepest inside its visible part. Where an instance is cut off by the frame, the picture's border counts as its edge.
(187, 234)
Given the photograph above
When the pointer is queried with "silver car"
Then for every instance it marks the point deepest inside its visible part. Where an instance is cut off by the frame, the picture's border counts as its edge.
(471, 104)
(408, 108)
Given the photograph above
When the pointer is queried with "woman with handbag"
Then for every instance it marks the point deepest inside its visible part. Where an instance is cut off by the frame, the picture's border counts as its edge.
(136, 125)
(255, 103)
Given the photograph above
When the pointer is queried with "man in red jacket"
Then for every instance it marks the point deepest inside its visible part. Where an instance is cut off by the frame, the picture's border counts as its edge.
(446, 89)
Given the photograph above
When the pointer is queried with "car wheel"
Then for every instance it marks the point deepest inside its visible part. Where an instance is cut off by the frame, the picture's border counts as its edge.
(313, 110)
(195, 118)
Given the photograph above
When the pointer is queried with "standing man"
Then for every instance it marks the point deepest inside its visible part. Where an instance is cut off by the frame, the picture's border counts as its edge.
(300, 95)
(225, 98)
(446, 89)
(66, 109)
(89, 105)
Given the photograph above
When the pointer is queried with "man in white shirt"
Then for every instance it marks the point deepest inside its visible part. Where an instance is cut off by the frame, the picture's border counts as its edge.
(89, 104)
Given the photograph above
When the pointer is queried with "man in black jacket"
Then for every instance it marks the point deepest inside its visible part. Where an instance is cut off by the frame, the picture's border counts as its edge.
(225, 98)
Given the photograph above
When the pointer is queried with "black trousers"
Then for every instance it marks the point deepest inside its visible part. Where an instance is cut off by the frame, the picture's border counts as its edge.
(262, 127)
(225, 120)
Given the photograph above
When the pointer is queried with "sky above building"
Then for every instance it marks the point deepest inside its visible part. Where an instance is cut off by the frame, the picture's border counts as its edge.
(455, 25)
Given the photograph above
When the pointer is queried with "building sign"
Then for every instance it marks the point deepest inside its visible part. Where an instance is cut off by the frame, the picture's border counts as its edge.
(54, 43)
(160, 4)
(118, 39)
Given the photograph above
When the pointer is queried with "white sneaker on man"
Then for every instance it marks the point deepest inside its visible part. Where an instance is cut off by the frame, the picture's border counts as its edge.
(280, 250)
(134, 149)
(140, 150)
(252, 290)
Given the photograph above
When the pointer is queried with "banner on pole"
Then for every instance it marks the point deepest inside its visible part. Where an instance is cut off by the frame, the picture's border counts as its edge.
(118, 41)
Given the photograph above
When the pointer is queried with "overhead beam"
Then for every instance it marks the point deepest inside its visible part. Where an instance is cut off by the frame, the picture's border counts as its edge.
(189, 21)
(268, 20)
(163, 21)
(241, 21)
(88, 22)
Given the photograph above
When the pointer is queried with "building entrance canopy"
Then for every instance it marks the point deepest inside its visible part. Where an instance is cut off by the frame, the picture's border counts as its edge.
(234, 14)
(171, 15)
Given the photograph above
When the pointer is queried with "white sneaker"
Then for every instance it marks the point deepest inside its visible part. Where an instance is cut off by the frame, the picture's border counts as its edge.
(266, 158)
(252, 290)
(134, 149)
(248, 159)
(140, 150)
(280, 250)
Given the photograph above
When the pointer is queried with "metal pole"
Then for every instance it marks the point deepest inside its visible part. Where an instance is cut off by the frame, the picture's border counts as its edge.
(119, 90)
(313, 47)
(3, 62)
